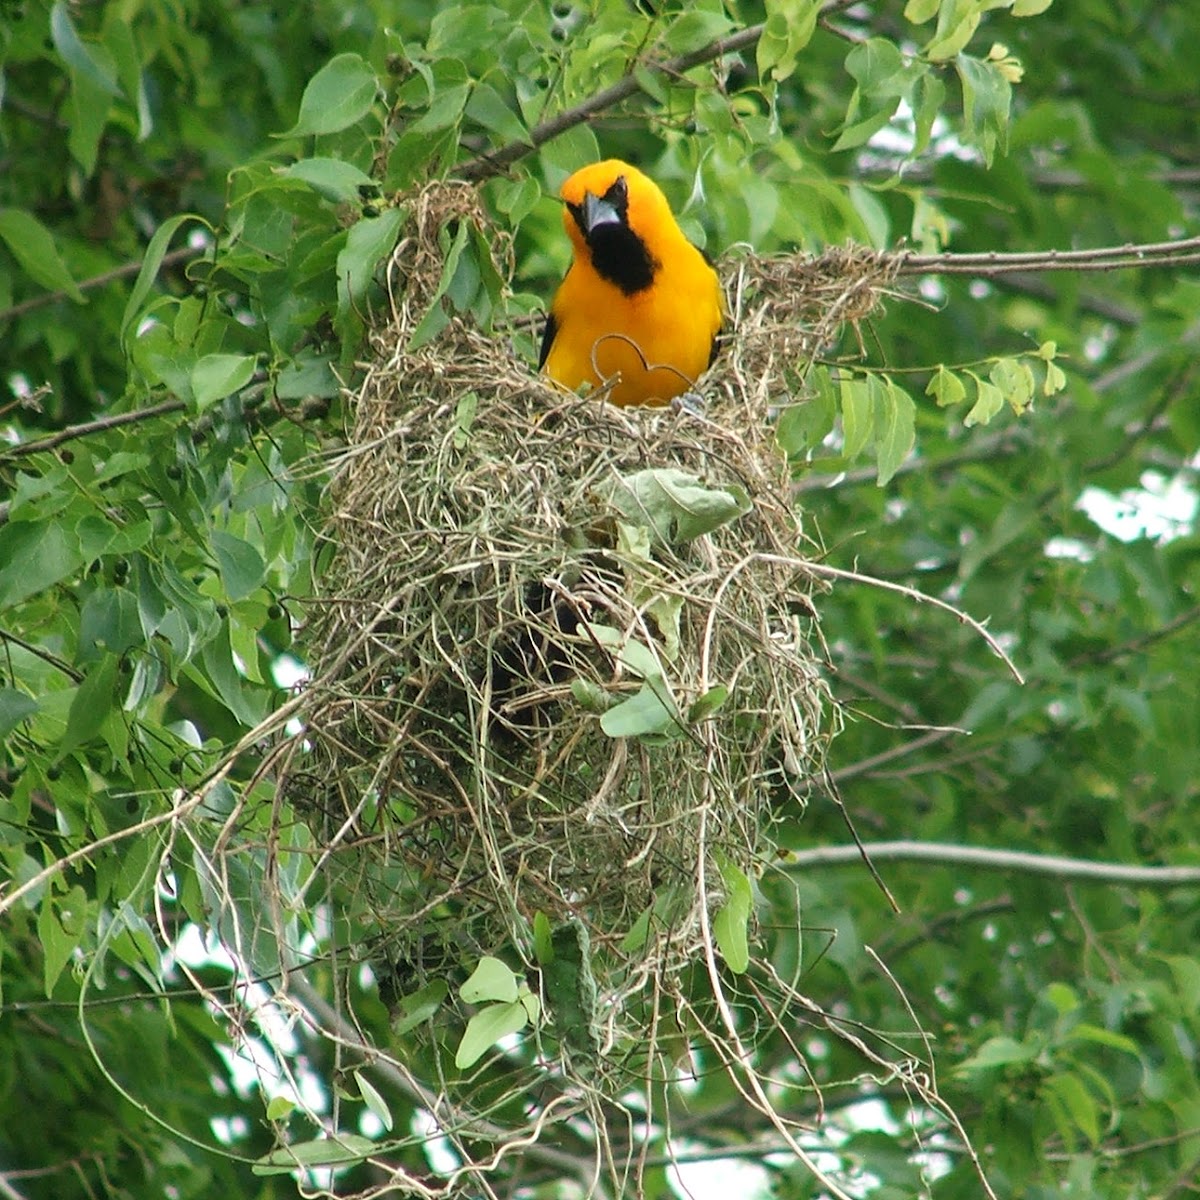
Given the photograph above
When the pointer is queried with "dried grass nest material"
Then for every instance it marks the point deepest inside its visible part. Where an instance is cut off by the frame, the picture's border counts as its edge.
(563, 664)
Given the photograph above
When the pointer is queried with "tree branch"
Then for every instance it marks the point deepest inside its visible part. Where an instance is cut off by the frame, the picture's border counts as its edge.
(1111, 653)
(819, 568)
(1065, 869)
(327, 1021)
(179, 255)
(1028, 284)
(1101, 258)
(99, 425)
(498, 161)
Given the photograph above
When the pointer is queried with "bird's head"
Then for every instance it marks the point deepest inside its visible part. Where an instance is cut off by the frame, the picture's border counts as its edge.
(617, 218)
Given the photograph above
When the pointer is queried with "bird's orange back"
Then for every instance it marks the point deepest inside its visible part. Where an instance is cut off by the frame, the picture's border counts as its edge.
(638, 301)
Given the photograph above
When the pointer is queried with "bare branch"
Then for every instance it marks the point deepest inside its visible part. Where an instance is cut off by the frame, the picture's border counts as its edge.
(498, 161)
(1101, 258)
(182, 254)
(1065, 869)
(825, 569)
(99, 425)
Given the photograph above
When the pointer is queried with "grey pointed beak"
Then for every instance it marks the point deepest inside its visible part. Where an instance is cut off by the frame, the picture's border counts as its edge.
(596, 212)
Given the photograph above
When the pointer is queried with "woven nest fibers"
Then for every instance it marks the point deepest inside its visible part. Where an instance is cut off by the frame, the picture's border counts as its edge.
(562, 676)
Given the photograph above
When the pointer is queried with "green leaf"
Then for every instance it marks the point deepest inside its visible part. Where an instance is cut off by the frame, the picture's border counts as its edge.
(895, 428)
(998, 1051)
(730, 926)
(989, 401)
(802, 427)
(216, 376)
(987, 98)
(543, 943)
(1015, 381)
(333, 178)
(488, 108)
(859, 132)
(34, 557)
(1030, 8)
(1099, 1036)
(32, 245)
(280, 1108)
(436, 318)
(650, 711)
(241, 565)
(1187, 980)
(706, 705)
(696, 28)
(222, 675)
(929, 94)
(1055, 380)
(61, 922)
(91, 706)
(82, 59)
(109, 623)
(419, 1006)
(491, 980)
(789, 28)
(121, 43)
(639, 931)
(674, 505)
(946, 387)
(957, 22)
(15, 706)
(858, 407)
(368, 243)
(87, 117)
(920, 11)
(1078, 1102)
(155, 252)
(486, 1028)
(339, 94)
(632, 654)
(374, 1101)
(590, 696)
(307, 374)
(338, 1151)
(446, 108)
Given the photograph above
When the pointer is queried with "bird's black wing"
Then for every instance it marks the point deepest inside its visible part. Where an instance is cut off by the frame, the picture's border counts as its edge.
(547, 339)
(715, 348)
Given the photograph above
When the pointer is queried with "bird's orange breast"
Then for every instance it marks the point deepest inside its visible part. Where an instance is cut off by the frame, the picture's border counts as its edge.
(650, 344)
(659, 341)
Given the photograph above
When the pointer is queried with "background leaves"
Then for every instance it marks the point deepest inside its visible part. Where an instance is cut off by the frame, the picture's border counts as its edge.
(183, 290)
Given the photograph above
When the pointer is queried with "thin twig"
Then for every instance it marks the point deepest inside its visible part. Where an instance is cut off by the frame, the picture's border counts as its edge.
(929, 738)
(329, 1023)
(170, 259)
(1055, 866)
(1110, 653)
(825, 569)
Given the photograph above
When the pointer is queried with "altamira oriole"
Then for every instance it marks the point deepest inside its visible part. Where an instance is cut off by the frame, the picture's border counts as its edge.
(639, 301)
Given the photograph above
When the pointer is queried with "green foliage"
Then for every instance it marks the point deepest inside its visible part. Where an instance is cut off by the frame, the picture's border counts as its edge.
(198, 207)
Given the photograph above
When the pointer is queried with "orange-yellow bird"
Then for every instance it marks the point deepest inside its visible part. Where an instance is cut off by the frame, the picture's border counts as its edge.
(639, 301)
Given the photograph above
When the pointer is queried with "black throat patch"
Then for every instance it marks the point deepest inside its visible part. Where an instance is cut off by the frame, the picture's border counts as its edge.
(621, 257)
(617, 253)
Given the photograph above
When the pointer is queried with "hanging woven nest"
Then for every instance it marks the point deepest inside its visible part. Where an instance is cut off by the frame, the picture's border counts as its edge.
(565, 662)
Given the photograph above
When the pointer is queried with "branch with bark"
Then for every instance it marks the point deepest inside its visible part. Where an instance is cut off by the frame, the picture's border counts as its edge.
(1073, 870)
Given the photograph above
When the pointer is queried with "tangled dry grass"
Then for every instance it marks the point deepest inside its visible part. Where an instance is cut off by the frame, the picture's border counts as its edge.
(566, 659)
